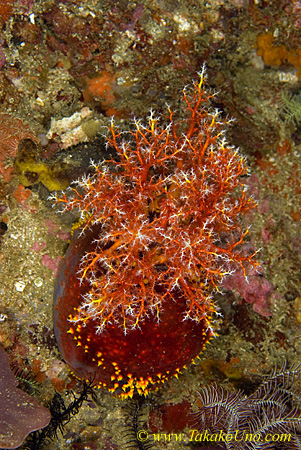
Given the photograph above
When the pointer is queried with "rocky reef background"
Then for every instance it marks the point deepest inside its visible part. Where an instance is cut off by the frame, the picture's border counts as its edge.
(65, 69)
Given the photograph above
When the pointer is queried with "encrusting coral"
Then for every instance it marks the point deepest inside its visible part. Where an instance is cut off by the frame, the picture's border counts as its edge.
(160, 230)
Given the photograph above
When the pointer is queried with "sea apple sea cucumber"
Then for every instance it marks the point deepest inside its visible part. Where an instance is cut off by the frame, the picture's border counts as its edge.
(160, 230)
(120, 362)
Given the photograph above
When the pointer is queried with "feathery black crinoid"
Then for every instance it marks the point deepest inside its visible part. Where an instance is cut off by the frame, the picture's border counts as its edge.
(27, 380)
(268, 419)
(60, 416)
(136, 435)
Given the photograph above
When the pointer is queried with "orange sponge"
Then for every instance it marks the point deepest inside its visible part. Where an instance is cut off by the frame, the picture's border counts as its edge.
(275, 55)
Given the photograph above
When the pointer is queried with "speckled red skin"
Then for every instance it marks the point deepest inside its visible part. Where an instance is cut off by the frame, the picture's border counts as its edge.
(143, 357)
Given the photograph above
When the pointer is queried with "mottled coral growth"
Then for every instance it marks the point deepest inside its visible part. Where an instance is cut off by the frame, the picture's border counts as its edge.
(6, 9)
(102, 88)
(51, 263)
(255, 289)
(12, 131)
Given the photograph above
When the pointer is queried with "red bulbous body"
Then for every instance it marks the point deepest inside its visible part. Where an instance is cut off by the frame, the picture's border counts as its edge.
(141, 359)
